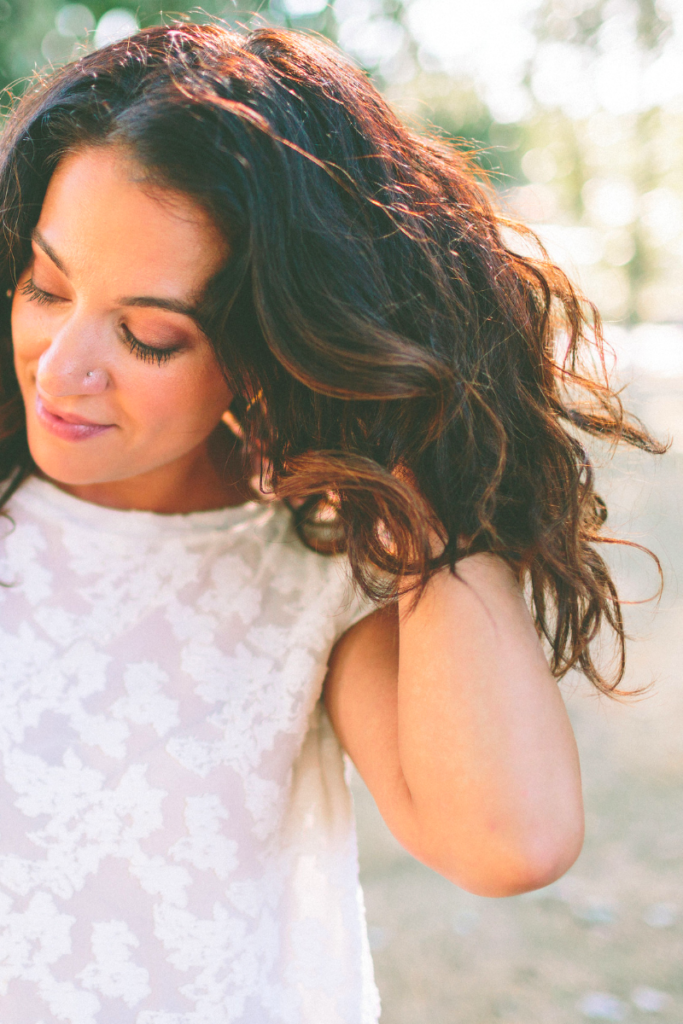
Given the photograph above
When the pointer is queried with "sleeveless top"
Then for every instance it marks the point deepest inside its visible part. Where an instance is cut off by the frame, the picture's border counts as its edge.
(177, 842)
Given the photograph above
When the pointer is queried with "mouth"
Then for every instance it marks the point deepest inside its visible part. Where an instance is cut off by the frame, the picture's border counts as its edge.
(68, 426)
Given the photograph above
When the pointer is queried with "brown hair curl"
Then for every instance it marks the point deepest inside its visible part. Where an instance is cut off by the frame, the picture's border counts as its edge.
(391, 349)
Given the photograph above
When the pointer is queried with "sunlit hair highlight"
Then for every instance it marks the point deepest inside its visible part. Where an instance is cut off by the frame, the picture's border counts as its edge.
(394, 358)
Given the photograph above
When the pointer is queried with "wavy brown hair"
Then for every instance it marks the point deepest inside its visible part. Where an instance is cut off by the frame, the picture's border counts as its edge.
(394, 360)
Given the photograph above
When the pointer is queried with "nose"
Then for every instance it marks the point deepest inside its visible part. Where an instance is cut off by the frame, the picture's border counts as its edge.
(69, 365)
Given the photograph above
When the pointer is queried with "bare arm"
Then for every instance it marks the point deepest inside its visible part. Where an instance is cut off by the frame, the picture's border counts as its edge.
(454, 721)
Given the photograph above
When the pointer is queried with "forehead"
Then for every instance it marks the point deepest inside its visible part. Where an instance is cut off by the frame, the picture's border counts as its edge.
(107, 224)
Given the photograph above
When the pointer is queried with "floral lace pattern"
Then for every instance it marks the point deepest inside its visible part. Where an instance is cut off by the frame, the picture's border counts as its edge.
(176, 835)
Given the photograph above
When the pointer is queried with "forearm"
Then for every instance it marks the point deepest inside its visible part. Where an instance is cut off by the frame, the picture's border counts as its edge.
(457, 726)
(483, 739)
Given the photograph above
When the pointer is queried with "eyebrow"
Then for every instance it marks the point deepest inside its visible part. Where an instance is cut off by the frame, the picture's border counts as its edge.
(43, 244)
(140, 301)
(152, 302)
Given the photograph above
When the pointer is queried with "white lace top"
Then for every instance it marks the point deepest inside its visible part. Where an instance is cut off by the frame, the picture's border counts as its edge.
(176, 835)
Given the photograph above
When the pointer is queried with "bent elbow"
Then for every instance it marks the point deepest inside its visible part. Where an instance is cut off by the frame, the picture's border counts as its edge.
(537, 865)
(539, 870)
(512, 869)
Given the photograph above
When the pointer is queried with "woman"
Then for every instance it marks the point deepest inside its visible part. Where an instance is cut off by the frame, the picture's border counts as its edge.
(201, 228)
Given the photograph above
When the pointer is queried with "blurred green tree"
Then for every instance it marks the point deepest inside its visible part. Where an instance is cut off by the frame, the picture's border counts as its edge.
(33, 35)
(602, 180)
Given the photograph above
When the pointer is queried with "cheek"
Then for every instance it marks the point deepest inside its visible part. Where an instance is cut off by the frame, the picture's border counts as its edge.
(211, 391)
(33, 328)
(28, 332)
(183, 399)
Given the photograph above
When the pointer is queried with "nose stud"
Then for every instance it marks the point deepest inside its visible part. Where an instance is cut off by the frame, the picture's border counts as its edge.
(89, 373)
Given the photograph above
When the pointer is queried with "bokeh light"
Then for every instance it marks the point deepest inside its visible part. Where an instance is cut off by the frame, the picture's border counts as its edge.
(116, 24)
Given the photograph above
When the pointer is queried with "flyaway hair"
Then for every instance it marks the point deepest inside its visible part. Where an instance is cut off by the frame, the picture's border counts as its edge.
(395, 361)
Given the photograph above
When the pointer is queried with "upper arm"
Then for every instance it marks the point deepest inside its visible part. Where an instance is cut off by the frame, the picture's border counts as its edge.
(361, 698)
(362, 673)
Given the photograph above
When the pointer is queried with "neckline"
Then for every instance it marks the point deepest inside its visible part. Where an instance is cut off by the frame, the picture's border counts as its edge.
(42, 496)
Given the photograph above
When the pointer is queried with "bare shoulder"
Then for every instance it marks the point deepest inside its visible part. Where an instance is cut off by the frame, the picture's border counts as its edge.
(370, 641)
(361, 692)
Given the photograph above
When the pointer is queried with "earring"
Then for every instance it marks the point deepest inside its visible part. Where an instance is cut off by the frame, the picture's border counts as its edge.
(258, 397)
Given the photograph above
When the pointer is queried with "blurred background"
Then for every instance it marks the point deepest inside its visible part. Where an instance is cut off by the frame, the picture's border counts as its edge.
(575, 108)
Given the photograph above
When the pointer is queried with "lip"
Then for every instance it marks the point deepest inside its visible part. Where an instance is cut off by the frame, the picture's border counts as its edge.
(68, 427)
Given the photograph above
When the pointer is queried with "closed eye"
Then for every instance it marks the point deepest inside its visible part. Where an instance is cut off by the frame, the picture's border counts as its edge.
(35, 294)
(147, 353)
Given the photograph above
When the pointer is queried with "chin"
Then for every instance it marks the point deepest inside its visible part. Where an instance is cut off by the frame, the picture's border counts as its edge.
(69, 475)
(70, 468)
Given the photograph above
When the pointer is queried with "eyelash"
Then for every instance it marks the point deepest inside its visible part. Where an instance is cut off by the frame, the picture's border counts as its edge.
(35, 294)
(147, 353)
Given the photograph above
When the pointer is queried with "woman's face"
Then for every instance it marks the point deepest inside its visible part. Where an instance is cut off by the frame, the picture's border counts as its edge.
(119, 382)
